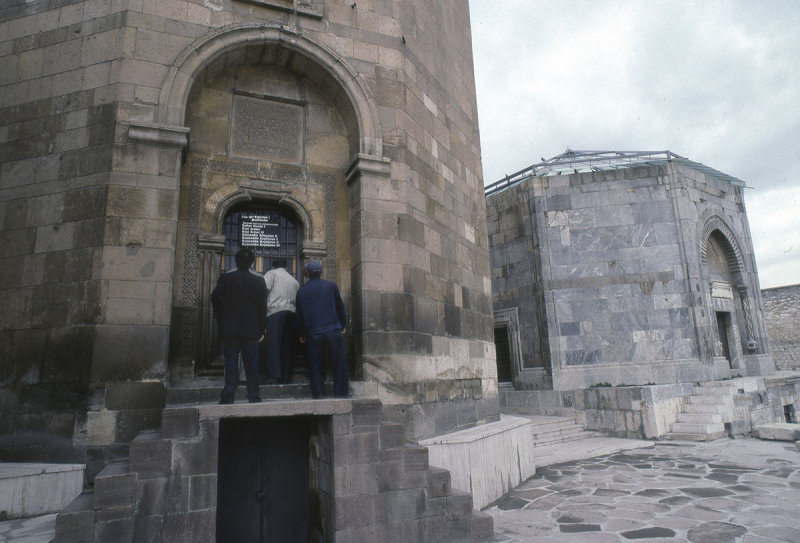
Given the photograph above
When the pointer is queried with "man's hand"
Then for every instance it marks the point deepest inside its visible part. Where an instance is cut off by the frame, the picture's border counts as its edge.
(302, 339)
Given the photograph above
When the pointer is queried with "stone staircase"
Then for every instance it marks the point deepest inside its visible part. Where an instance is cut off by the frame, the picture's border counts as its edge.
(705, 412)
(550, 431)
(166, 490)
(551, 434)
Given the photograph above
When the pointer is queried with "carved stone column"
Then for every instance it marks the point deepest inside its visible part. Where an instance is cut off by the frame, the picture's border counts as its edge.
(752, 343)
(209, 254)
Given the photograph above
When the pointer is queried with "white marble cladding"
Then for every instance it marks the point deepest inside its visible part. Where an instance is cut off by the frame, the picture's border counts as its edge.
(620, 279)
(488, 460)
(721, 289)
(30, 490)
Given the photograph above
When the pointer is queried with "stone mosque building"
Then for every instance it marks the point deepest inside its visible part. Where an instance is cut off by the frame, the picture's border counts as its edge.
(143, 142)
(620, 279)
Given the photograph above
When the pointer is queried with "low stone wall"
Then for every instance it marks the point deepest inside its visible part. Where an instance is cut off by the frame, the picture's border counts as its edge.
(486, 461)
(782, 317)
(648, 412)
(634, 412)
(30, 490)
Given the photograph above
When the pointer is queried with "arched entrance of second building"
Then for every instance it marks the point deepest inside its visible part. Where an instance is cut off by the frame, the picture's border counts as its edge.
(731, 321)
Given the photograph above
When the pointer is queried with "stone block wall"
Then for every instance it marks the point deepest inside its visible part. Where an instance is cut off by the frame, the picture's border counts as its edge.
(634, 412)
(782, 315)
(365, 483)
(611, 271)
(101, 108)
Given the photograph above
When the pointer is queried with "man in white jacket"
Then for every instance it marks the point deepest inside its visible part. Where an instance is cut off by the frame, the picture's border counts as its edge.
(282, 288)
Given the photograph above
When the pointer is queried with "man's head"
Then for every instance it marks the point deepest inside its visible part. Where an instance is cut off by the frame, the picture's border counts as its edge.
(244, 259)
(313, 268)
(279, 263)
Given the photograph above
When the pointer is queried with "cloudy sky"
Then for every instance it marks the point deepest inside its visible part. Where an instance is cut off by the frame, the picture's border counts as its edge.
(717, 82)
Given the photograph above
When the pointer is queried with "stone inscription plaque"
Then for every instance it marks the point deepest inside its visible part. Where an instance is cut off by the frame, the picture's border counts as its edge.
(259, 231)
(266, 129)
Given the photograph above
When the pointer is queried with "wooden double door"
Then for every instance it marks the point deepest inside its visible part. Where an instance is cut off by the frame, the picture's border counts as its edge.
(263, 477)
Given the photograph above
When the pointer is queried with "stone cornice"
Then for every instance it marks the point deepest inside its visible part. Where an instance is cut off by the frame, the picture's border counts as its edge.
(159, 135)
(368, 165)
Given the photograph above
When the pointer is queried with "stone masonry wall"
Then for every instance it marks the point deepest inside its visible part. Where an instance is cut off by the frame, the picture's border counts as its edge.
(93, 103)
(782, 315)
(614, 262)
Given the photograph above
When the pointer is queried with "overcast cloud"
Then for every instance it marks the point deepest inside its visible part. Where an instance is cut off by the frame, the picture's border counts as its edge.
(716, 82)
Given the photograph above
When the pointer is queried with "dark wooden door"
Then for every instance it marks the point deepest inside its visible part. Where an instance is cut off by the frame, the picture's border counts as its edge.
(503, 352)
(262, 489)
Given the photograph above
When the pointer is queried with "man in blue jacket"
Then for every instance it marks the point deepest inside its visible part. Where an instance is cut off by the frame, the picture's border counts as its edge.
(321, 320)
(240, 306)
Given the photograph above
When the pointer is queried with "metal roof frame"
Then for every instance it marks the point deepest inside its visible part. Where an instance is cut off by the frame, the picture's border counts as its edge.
(585, 161)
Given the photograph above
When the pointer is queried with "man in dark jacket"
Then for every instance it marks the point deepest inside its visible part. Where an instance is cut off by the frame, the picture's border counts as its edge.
(321, 321)
(240, 306)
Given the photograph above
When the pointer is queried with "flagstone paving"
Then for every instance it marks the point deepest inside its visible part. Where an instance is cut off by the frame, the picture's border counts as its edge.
(743, 490)
(731, 490)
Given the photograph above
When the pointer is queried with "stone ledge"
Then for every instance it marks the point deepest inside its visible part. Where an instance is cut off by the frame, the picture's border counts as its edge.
(276, 408)
(488, 460)
(29, 490)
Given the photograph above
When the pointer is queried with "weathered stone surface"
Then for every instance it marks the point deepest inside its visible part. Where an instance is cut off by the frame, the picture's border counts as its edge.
(614, 299)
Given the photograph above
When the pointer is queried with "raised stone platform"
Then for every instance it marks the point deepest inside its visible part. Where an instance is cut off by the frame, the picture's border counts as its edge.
(30, 490)
(487, 461)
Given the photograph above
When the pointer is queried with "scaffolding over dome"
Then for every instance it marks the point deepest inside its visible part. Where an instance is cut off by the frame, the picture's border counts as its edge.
(594, 161)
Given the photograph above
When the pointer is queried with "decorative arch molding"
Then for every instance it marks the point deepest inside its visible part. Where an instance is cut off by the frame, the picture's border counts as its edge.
(224, 199)
(733, 254)
(203, 51)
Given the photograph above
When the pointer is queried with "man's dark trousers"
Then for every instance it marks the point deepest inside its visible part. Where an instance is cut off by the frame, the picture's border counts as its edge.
(280, 345)
(327, 345)
(249, 349)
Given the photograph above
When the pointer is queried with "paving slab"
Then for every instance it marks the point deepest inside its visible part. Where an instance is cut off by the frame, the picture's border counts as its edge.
(725, 490)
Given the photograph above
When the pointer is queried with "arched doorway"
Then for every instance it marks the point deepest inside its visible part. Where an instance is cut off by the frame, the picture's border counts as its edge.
(271, 231)
(731, 325)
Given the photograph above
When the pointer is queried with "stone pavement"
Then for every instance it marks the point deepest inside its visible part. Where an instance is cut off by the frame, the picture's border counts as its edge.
(744, 490)
(40, 529)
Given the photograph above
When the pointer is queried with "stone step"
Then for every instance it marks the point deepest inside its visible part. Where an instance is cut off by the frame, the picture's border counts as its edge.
(150, 456)
(115, 486)
(699, 408)
(210, 390)
(547, 424)
(565, 436)
(392, 434)
(679, 436)
(710, 399)
(699, 418)
(75, 523)
(698, 428)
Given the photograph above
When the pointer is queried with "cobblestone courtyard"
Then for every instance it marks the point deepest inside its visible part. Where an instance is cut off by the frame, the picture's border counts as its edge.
(742, 490)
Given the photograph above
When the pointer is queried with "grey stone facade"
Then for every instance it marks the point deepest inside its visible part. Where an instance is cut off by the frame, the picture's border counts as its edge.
(626, 276)
(782, 315)
(365, 483)
(130, 130)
